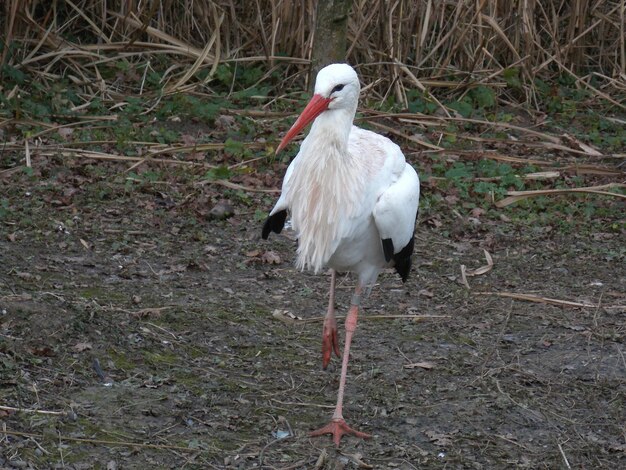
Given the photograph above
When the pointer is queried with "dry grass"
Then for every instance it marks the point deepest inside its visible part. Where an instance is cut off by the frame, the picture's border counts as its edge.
(399, 45)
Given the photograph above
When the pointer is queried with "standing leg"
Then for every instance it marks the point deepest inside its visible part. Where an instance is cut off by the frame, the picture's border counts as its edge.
(330, 340)
(337, 426)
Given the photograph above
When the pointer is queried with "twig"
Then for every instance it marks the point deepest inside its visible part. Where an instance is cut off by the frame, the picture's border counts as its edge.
(563, 455)
(515, 196)
(231, 185)
(314, 405)
(40, 446)
(464, 277)
(405, 136)
(271, 443)
(497, 341)
(538, 299)
(364, 318)
(27, 153)
(28, 410)
(104, 442)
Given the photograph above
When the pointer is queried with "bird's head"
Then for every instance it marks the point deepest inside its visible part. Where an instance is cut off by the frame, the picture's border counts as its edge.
(336, 87)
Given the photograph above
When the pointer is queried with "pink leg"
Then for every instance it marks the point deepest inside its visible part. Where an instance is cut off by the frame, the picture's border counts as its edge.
(337, 426)
(330, 339)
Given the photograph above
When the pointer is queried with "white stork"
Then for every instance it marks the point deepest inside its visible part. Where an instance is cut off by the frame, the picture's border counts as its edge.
(353, 201)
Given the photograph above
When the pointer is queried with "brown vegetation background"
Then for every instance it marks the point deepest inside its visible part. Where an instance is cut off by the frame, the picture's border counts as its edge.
(438, 45)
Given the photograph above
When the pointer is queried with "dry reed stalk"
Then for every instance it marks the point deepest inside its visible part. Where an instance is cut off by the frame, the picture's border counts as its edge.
(538, 176)
(82, 153)
(400, 133)
(622, 28)
(539, 299)
(240, 187)
(441, 49)
(10, 14)
(287, 317)
(107, 443)
(515, 196)
(464, 42)
(546, 140)
(33, 411)
(27, 153)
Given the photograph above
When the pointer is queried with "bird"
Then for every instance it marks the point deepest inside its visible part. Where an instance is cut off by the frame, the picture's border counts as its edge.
(353, 201)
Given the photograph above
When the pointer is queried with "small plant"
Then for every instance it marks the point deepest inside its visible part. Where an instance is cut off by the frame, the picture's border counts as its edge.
(236, 149)
(462, 106)
(218, 173)
(475, 102)
(483, 97)
(185, 106)
(420, 102)
(4, 208)
(511, 77)
(474, 181)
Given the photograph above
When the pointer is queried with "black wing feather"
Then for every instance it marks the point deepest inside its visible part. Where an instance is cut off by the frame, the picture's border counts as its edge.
(402, 260)
(274, 223)
(388, 249)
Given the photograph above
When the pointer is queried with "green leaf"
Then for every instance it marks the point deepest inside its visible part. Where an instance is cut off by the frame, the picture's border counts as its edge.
(483, 97)
(249, 76)
(14, 74)
(511, 77)
(485, 187)
(218, 173)
(224, 74)
(4, 208)
(259, 215)
(463, 107)
(459, 171)
(233, 147)
(419, 102)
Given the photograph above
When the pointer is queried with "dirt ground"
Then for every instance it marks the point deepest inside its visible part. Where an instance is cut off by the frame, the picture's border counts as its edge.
(136, 332)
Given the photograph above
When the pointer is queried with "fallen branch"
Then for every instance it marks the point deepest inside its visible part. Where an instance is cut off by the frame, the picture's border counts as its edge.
(287, 317)
(478, 271)
(515, 196)
(102, 441)
(29, 410)
(120, 158)
(538, 176)
(239, 187)
(539, 299)
(405, 136)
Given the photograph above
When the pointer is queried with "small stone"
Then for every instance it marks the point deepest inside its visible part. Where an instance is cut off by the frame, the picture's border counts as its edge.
(18, 463)
(222, 210)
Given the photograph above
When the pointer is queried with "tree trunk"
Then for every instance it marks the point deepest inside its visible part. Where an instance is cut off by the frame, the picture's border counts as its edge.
(329, 37)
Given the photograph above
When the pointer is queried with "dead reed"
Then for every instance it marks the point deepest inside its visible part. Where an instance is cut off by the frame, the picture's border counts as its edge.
(440, 46)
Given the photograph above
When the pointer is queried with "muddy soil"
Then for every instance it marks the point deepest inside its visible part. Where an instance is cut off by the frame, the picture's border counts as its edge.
(137, 332)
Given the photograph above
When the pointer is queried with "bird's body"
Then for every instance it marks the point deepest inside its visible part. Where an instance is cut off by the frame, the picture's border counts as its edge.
(336, 226)
(352, 198)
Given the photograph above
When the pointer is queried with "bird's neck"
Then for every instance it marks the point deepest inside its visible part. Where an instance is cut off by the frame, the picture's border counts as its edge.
(331, 132)
(325, 189)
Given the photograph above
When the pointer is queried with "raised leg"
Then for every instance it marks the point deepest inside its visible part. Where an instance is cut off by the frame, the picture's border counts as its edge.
(330, 339)
(337, 426)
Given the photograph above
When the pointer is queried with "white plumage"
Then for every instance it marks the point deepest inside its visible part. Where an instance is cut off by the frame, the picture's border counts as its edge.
(353, 202)
(344, 187)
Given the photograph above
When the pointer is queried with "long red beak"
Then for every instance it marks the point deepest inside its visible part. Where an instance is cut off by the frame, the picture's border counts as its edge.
(316, 106)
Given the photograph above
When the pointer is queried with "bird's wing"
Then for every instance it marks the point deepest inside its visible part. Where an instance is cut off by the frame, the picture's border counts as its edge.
(277, 217)
(396, 210)
(393, 186)
(283, 203)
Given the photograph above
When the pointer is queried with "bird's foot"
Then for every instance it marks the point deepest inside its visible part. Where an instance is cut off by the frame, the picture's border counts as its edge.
(330, 341)
(338, 427)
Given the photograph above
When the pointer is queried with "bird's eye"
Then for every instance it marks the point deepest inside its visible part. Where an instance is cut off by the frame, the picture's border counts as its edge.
(337, 88)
